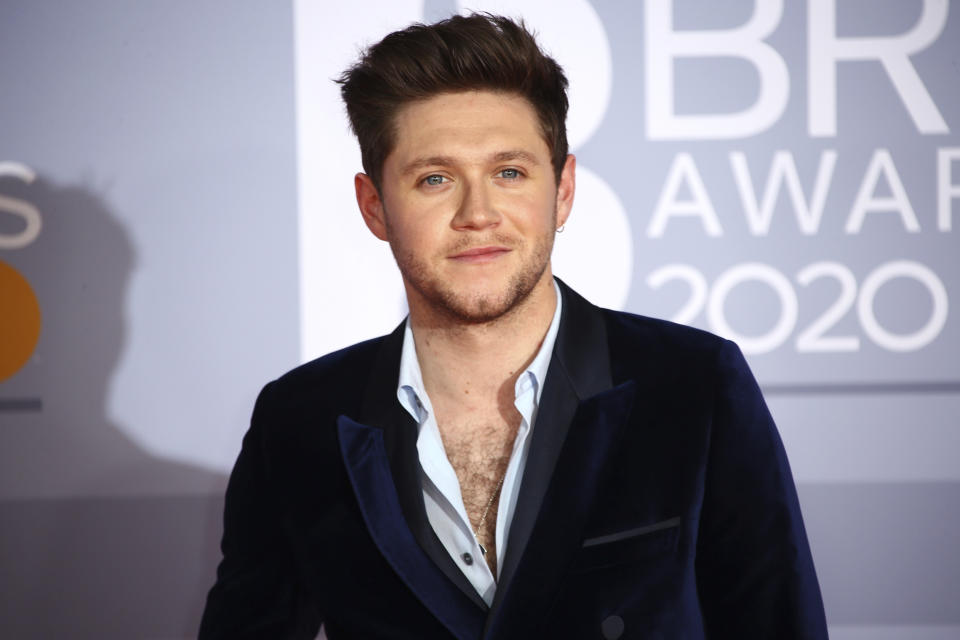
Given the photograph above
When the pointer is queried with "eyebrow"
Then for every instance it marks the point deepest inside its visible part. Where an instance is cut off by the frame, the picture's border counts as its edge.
(518, 154)
(501, 156)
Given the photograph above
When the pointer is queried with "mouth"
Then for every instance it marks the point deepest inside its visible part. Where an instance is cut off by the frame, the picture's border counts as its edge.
(480, 254)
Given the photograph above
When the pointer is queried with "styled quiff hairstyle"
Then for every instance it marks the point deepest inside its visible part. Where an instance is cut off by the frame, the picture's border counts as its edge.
(462, 53)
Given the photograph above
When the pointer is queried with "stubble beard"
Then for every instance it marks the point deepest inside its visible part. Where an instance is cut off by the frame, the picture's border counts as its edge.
(464, 307)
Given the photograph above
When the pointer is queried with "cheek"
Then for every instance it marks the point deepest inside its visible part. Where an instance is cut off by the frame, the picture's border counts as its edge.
(540, 211)
(404, 220)
(414, 235)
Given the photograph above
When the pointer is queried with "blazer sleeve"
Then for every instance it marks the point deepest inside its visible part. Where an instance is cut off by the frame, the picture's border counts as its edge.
(755, 574)
(257, 593)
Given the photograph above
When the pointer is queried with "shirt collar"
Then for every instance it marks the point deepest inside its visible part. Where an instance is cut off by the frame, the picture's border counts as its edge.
(410, 388)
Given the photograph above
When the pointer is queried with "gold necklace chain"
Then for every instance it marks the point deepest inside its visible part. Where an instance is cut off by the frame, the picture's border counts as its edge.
(483, 518)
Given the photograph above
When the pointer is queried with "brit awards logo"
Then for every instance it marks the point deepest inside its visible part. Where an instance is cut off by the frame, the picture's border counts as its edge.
(20, 316)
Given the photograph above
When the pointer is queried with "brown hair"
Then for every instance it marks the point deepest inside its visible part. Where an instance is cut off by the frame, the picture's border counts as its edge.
(461, 53)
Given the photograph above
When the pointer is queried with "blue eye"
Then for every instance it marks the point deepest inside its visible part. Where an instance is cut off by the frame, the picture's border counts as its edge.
(510, 174)
(434, 180)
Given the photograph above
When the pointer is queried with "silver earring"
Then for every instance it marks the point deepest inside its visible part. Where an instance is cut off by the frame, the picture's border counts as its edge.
(560, 228)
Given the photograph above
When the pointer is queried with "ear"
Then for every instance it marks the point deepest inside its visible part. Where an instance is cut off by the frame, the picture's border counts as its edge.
(371, 206)
(565, 189)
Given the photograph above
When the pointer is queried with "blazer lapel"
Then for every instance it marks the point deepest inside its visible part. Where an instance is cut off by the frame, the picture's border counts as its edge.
(380, 454)
(579, 369)
(365, 456)
(580, 472)
(579, 417)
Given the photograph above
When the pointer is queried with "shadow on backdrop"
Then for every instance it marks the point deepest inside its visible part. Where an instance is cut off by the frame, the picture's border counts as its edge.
(99, 539)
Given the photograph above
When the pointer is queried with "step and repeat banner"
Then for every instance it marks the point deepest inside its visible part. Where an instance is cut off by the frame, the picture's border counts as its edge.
(178, 226)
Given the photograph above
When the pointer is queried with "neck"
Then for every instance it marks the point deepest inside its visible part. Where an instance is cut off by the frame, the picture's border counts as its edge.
(459, 359)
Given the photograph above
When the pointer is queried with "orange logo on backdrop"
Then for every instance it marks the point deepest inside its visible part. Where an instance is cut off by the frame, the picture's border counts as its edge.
(19, 322)
(19, 309)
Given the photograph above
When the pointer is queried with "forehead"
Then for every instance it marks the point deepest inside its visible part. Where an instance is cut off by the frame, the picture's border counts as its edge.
(465, 124)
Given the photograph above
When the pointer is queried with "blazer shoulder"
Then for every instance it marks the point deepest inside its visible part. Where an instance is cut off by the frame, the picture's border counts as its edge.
(333, 378)
(352, 360)
(653, 338)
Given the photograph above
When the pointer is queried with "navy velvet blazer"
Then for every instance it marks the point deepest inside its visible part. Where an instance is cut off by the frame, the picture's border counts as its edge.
(657, 502)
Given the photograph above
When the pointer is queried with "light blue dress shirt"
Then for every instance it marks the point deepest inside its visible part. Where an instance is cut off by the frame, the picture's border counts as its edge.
(441, 488)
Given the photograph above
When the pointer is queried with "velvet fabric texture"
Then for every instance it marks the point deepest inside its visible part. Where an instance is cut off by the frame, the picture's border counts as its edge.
(657, 502)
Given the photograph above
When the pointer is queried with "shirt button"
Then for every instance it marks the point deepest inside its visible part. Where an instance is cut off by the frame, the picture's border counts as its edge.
(467, 559)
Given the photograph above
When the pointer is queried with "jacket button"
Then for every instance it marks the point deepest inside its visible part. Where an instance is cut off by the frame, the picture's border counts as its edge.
(612, 628)
(467, 559)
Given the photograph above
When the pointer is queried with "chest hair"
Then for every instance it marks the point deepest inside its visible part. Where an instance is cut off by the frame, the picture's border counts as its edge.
(479, 447)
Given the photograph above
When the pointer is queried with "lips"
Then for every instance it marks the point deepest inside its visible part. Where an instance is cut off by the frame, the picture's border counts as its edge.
(480, 254)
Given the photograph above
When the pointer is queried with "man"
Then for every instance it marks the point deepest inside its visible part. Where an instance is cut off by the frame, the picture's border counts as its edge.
(510, 462)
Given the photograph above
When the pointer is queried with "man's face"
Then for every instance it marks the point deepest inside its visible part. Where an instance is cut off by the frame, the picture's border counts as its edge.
(469, 204)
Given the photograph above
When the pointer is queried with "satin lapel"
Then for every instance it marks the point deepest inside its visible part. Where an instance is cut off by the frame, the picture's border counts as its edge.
(556, 536)
(365, 456)
(558, 405)
(579, 369)
(382, 410)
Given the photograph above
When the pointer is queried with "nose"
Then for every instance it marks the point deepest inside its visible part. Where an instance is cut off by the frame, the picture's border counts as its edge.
(476, 209)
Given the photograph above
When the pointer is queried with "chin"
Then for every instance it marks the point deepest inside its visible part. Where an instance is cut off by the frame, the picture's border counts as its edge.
(478, 311)
(488, 306)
